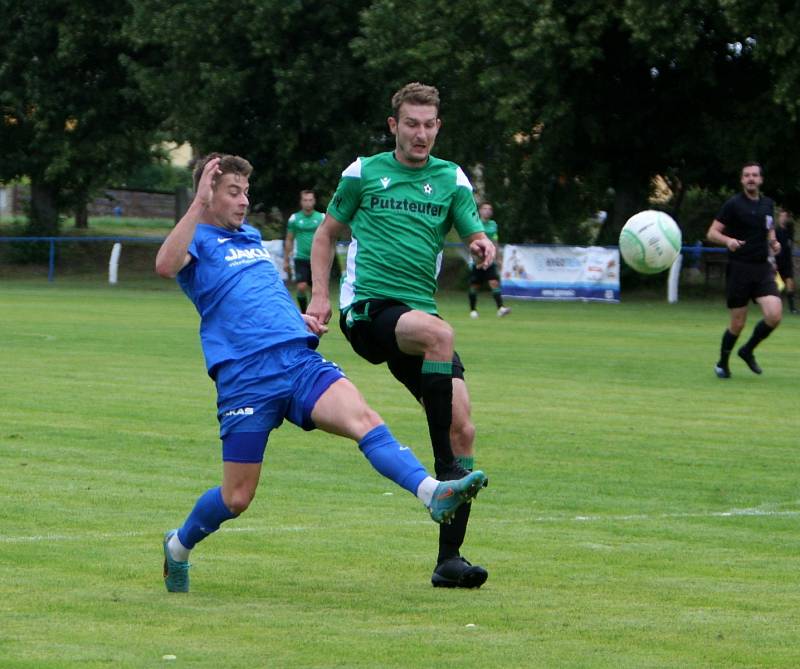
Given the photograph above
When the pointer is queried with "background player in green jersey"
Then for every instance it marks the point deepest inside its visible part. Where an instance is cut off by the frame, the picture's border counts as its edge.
(300, 231)
(399, 205)
(490, 275)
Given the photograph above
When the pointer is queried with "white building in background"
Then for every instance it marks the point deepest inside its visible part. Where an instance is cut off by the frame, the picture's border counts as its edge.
(180, 155)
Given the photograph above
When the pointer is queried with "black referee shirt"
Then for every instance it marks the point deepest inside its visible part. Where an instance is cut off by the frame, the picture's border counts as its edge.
(748, 220)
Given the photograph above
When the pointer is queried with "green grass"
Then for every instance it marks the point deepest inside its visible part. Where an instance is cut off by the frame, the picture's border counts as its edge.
(641, 512)
(125, 226)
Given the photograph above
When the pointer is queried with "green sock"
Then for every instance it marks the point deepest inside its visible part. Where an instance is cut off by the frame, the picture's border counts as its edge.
(466, 461)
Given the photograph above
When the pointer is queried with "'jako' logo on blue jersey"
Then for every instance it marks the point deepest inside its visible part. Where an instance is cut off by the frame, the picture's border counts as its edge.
(236, 255)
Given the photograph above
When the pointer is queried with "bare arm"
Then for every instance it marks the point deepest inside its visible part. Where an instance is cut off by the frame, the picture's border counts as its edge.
(716, 234)
(323, 249)
(288, 247)
(481, 248)
(772, 240)
(173, 255)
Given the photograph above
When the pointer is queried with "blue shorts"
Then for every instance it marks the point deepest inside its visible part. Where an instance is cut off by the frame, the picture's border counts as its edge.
(256, 393)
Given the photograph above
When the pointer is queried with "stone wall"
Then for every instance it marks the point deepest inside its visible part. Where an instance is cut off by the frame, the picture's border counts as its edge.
(108, 202)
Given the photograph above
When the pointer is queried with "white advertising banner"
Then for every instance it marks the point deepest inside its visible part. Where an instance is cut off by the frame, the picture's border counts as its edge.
(275, 249)
(561, 273)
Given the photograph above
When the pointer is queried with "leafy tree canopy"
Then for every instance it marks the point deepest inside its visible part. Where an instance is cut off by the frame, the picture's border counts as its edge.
(70, 116)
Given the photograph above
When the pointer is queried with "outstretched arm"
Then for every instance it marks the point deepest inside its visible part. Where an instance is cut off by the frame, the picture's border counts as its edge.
(716, 234)
(774, 244)
(173, 255)
(288, 248)
(481, 248)
(323, 249)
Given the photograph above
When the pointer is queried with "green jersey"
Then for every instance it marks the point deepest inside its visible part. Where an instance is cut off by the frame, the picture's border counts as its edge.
(398, 217)
(303, 228)
(490, 228)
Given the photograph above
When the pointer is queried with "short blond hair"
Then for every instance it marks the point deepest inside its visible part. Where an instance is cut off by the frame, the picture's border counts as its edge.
(415, 93)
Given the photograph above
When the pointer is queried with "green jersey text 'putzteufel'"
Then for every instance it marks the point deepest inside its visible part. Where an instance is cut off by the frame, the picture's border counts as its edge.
(399, 217)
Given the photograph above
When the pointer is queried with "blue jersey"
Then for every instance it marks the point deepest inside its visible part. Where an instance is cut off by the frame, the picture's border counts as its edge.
(243, 305)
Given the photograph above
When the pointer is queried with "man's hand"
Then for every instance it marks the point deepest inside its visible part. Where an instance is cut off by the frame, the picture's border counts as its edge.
(319, 308)
(482, 249)
(205, 187)
(314, 325)
(734, 244)
(775, 246)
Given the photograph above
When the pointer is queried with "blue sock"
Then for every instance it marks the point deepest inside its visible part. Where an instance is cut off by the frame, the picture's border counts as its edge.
(394, 461)
(208, 514)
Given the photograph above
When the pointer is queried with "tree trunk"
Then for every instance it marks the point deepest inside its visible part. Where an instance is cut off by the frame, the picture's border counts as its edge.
(82, 216)
(43, 214)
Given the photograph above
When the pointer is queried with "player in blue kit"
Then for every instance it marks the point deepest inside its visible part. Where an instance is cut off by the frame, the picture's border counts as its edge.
(259, 350)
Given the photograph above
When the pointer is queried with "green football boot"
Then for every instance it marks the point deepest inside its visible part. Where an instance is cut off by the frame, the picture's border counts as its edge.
(449, 495)
(176, 572)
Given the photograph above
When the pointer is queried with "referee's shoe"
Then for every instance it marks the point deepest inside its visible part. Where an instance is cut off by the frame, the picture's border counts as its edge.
(722, 371)
(750, 360)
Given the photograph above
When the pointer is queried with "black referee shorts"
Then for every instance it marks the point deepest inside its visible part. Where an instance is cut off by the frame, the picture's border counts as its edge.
(747, 281)
(370, 328)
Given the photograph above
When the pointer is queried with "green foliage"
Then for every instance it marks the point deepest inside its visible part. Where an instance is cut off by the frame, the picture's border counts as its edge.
(575, 106)
(158, 176)
(624, 526)
(699, 208)
(272, 81)
(557, 109)
(71, 119)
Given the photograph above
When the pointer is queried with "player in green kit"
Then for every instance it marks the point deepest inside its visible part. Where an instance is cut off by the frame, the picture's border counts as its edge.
(399, 206)
(300, 231)
(478, 276)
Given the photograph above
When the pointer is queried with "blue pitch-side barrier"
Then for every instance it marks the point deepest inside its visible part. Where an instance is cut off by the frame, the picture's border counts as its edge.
(687, 251)
(51, 270)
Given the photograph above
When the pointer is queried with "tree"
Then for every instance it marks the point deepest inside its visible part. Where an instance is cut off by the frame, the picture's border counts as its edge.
(273, 81)
(576, 106)
(71, 117)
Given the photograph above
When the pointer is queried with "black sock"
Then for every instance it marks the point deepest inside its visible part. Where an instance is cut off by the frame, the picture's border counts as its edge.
(302, 300)
(451, 536)
(790, 300)
(498, 298)
(437, 398)
(473, 299)
(728, 342)
(760, 332)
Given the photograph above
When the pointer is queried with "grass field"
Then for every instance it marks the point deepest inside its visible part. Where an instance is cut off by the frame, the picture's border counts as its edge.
(641, 512)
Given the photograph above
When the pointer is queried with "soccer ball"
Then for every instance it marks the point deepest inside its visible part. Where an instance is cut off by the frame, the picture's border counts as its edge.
(650, 241)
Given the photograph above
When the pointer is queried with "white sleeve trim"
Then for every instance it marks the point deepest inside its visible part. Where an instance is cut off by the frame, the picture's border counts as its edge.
(462, 180)
(353, 169)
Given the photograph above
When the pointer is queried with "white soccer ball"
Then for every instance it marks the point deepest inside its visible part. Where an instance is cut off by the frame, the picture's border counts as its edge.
(650, 241)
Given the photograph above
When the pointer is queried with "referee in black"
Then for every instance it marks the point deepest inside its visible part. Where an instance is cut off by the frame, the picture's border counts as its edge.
(745, 225)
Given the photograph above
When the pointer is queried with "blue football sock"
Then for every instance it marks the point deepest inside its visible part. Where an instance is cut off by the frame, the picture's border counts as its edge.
(208, 514)
(394, 461)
